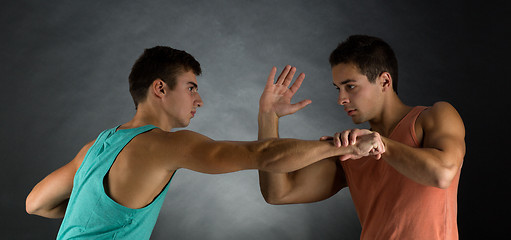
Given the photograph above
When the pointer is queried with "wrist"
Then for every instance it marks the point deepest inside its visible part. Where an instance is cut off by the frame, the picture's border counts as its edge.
(352, 150)
(268, 125)
(267, 116)
(386, 143)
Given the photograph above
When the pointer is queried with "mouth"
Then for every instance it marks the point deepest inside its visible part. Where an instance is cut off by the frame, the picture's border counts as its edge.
(193, 113)
(350, 112)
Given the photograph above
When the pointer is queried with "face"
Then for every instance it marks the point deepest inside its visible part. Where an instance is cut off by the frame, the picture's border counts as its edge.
(182, 102)
(360, 98)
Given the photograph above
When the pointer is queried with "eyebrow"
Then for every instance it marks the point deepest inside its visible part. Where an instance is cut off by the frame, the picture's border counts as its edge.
(194, 85)
(345, 82)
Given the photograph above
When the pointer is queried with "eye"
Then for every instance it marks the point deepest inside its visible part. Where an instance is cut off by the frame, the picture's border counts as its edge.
(192, 89)
(350, 87)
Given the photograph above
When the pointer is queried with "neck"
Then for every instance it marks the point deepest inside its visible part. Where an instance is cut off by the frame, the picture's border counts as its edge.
(392, 111)
(147, 115)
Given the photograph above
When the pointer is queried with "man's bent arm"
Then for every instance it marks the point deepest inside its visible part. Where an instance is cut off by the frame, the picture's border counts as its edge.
(442, 152)
(50, 196)
(314, 183)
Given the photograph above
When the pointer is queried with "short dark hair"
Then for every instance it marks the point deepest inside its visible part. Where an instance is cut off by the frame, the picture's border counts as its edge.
(371, 55)
(160, 62)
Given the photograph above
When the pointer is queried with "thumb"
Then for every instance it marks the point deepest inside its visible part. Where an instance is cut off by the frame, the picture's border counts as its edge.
(300, 105)
(323, 138)
(345, 157)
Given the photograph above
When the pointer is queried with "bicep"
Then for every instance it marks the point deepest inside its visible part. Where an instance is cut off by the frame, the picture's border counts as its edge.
(444, 131)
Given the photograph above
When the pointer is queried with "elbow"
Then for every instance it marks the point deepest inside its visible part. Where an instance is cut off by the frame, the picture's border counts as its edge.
(268, 197)
(34, 205)
(443, 183)
(273, 197)
(273, 200)
(31, 206)
(444, 178)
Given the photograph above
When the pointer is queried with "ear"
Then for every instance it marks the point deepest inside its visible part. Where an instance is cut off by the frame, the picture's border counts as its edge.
(385, 80)
(158, 88)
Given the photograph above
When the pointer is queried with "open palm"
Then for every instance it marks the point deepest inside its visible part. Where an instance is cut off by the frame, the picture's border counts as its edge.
(276, 97)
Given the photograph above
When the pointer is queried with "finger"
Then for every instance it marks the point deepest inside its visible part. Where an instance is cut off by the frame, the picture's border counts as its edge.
(353, 136)
(379, 144)
(283, 75)
(289, 77)
(298, 82)
(382, 145)
(344, 137)
(271, 77)
(376, 149)
(324, 138)
(364, 131)
(337, 140)
(299, 105)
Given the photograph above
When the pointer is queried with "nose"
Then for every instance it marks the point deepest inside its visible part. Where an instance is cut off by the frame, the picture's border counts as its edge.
(342, 99)
(198, 100)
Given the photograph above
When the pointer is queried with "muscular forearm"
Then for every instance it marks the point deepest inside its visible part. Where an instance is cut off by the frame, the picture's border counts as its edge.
(273, 185)
(427, 166)
(38, 203)
(287, 155)
(57, 212)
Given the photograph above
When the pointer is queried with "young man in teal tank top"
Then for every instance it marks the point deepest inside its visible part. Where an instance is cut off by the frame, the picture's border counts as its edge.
(115, 185)
(411, 192)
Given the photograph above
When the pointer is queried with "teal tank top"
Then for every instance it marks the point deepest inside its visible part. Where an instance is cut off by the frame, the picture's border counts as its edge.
(91, 213)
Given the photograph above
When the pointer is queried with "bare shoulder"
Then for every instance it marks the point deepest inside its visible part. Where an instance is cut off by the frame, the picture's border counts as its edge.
(88, 146)
(443, 107)
(167, 149)
(439, 110)
(158, 137)
(442, 115)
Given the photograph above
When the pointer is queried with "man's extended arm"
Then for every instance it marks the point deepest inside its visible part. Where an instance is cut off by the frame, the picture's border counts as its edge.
(191, 150)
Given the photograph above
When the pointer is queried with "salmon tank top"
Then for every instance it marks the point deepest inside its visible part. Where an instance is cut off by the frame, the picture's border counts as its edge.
(392, 206)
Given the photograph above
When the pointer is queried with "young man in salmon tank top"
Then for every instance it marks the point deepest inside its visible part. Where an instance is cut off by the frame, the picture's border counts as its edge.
(115, 186)
(408, 193)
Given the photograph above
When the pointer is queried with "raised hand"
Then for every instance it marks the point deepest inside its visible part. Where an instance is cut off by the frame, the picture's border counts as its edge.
(276, 97)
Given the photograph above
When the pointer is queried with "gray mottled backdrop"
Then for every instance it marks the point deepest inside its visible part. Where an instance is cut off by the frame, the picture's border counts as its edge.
(64, 68)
